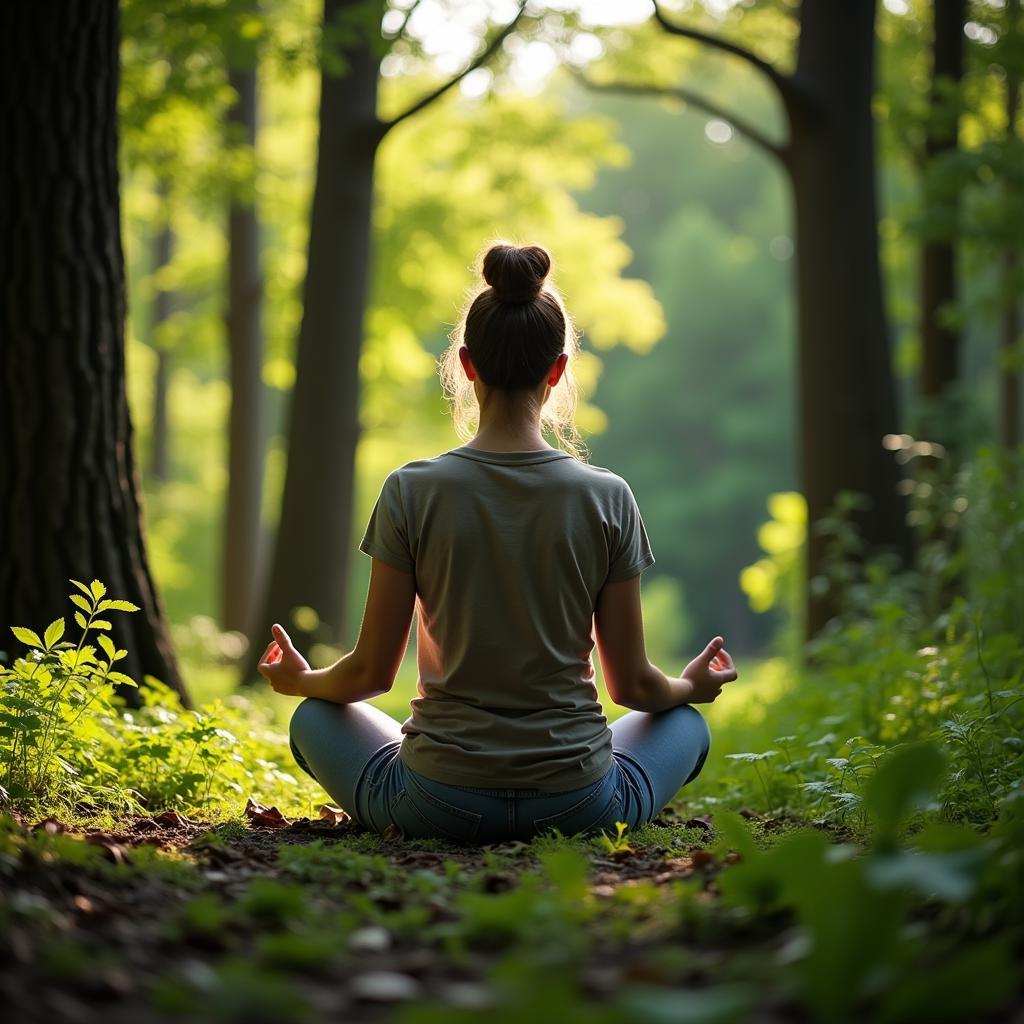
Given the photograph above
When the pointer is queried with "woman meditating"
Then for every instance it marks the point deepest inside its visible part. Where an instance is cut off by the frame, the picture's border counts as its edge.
(517, 555)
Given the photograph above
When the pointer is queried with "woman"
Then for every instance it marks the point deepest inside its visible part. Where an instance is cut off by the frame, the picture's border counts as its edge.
(518, 554)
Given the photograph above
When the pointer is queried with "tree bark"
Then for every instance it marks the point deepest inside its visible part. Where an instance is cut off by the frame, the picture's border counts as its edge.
(1009, 328)
(847, 397)
(311, 560)
(71, 502)
(160, 433)
(242, 548)
(940, 343)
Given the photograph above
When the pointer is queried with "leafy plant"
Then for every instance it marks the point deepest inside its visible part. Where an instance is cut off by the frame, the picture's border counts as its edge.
(50, 702)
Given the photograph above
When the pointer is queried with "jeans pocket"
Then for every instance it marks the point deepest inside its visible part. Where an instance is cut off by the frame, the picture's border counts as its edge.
(598, 809)
(423, 815)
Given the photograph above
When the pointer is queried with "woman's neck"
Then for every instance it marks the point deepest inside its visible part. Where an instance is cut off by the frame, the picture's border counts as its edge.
(508, 428)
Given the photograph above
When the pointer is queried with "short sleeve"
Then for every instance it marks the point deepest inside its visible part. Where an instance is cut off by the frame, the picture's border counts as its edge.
(387, 535)
(631, 553)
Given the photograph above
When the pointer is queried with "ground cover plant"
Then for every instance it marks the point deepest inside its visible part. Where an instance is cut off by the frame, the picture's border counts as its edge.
(852, 851)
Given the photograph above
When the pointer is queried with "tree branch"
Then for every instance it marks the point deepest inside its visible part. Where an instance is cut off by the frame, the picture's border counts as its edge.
(781, 81)
(778, 150)
(478, 61)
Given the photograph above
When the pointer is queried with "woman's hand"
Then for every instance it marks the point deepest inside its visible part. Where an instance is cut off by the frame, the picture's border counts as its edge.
(285, 669)
(709, 672)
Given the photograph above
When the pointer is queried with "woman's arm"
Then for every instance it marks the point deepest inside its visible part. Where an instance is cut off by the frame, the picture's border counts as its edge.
(369, 669)
(632, 681)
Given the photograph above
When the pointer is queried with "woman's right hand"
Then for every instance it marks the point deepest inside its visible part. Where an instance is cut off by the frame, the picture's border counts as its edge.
(709, 672)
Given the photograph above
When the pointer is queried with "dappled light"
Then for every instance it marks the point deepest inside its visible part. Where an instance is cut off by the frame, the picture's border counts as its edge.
(512, 510)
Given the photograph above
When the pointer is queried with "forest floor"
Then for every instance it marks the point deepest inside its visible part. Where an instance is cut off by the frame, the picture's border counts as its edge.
(265, 919)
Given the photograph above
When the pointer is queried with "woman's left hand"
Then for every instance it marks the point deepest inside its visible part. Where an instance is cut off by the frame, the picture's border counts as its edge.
(283, 667)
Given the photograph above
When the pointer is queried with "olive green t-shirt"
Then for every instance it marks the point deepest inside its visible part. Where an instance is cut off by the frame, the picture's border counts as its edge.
(509, 551)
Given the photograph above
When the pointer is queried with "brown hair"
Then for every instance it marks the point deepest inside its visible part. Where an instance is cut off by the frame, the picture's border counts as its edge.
(515, 326)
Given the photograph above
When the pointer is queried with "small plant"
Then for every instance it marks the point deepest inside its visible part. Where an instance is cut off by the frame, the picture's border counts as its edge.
(49, 702)
(617, 844)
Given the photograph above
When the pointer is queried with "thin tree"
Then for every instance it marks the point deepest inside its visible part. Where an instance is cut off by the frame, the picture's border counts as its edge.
(71, 498)
(1010, 334)
(310, 565)
(163, 298)
(242, 548)
(846, 395)
(940, 338)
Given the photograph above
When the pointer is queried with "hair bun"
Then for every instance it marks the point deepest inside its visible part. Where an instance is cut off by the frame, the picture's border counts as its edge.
(516, 273)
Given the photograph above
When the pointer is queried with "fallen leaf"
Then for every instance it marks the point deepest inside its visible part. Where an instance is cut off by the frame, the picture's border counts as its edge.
(702, 859)
(111, 850)
(391, 834)
(703, 822)
(172, 819)
(264, 817)
(334, 815)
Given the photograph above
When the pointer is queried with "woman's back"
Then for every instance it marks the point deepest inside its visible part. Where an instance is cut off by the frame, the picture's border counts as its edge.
(510, 550)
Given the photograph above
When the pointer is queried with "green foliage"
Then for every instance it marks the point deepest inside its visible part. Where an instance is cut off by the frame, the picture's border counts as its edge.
(51, 701)
(854, 949)
(67, 737)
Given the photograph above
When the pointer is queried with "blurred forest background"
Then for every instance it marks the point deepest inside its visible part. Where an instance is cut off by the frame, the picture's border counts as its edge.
(234, 237)
(661, 171)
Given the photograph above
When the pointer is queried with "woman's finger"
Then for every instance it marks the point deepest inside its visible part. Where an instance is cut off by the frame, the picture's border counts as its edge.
(282, 637)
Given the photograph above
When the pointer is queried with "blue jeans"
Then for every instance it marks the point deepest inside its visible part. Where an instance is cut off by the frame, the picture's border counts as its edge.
(352, 751)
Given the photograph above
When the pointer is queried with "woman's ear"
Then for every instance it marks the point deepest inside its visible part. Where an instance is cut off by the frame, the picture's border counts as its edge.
(467, 363)
(557, 369)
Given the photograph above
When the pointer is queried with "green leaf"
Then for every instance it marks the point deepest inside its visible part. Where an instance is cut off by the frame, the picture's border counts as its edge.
(120, 677)
(82, 587)
(905, 779)
(97, 588)
(119, 654)
(80, 602)
(54, 631)
(27, 636)
(101, 624)
(80, 619)
(108, 645)
(119, 606)
(734, 834)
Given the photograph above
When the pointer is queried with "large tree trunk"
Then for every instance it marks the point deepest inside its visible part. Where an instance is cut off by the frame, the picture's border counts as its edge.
(70, 503)
(242, 558)
(847, 399)
(160, 433)
(940, 343)
(1009, 333)
(311, 558)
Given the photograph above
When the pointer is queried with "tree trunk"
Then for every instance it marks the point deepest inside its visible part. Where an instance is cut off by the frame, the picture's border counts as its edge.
(71, 498)
(160, 446)
(242, 554)
(1009, 334)
(311, 557)
(847, 399)
(940, 343)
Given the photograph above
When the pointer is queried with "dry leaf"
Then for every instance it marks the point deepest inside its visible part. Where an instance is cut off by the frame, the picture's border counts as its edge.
(702, 858)
(171, 819)
(391, 834)
(335, 815)
(264, 817)
(111, 850)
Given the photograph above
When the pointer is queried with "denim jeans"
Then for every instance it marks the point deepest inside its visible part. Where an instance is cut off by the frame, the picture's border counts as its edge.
(352, 751)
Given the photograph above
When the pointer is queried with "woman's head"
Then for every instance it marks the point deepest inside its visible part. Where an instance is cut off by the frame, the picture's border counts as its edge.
(513, 329)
